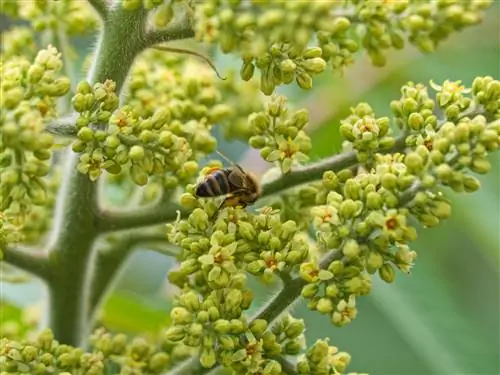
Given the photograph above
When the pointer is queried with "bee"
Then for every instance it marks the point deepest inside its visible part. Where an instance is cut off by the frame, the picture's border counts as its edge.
(241, 187)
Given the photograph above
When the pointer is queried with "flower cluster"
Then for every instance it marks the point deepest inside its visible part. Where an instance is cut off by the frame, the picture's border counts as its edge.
(366, 217)
(18, 41)
(365, 133)
(28, 94)
(66, 16)
(323, 359)
(162, 129)
(108, 351)
(280, 136)
(275, 37)
(219, 245)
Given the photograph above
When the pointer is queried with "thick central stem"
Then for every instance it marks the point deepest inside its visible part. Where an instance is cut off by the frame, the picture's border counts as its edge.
(75, 222)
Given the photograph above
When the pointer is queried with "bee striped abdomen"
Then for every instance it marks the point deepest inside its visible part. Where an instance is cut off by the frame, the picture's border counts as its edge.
(214, 184)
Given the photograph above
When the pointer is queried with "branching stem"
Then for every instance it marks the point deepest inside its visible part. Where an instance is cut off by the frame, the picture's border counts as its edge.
(34, 262)
(76, 218)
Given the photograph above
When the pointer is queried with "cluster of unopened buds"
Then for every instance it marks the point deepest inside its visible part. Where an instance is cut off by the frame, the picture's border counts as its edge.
(274, 38)
(279, 135)
(28, 94)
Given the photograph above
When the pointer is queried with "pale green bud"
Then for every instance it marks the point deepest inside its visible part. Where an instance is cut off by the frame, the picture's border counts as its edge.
(175, 333)
(208, 357)
(325, 306)
(351, 249)
(332, 291)
(304, 80)
(258, 327)
(315, 65)
(374, 261)
(386, 273)
(310, 290)
(471, 184)
(222, 326)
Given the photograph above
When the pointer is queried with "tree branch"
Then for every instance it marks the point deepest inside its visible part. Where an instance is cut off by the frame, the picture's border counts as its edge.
(34, 262)
(174, 31)
(100, 7)
(162, 212)
(166, 211)
(75, 215)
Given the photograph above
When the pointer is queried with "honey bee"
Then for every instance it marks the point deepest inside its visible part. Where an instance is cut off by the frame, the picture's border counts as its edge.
(241, 187)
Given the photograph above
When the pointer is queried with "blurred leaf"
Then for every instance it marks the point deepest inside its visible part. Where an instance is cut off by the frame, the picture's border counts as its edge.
(426, 317)
(9, 312)
(130, 313)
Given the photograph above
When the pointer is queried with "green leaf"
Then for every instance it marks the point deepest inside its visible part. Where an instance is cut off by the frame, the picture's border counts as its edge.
(127, 312)
(431, 322)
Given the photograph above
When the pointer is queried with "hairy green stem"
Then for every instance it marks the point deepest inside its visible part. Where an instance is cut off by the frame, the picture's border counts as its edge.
(174, 31)
(119, 220)
(74, 289)
(34, 262)
(75, 220)
(70, 255)
(100, 7)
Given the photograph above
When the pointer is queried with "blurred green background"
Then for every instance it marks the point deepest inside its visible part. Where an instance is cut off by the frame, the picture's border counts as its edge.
(443, 318)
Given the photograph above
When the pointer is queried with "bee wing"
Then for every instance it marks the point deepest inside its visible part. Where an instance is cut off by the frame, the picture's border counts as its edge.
(237, 178)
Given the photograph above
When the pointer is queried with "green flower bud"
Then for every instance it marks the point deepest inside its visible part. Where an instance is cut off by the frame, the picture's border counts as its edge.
(287, 66)
(480, 165)
(237, 326)
(83, 87)
(303, 367)
(325, 306)
(295, 328)
(222, 326)
(312, 52)
(310, 290)
(208, 357)
(181, 316)
(138, 175)
(348, 209)
(304, 80)
(35, 74)
(175, 333)
(416, 121)
(158, 361)
(332, 291)
(340, 25)
(386, 273)
(414, 162)
(374, 261)
(273, 367)
(351, 249)
(471, 184)
(246, 230)
(85, 134)
(258, 327)
(80, 103)
(315, 65)
(247, 71)
(257, 141)
(389, 181)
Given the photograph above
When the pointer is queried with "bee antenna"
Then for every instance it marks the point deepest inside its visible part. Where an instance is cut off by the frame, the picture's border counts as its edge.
(225, 157)
(193, 53)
